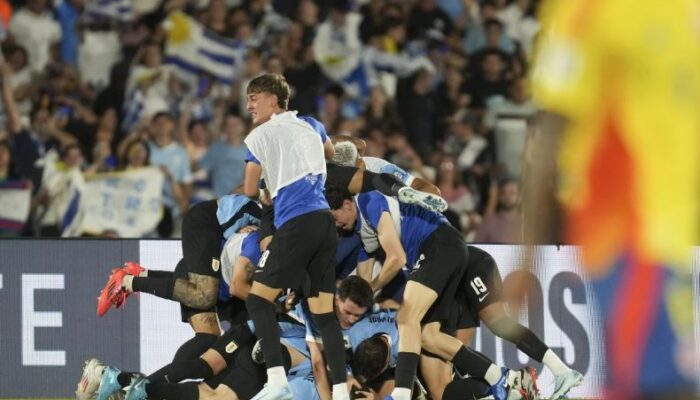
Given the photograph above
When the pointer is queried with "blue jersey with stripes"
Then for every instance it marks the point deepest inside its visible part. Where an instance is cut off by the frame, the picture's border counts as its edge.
(413, 223)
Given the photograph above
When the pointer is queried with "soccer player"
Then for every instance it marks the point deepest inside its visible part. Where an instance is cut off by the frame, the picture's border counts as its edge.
(619, 81)
(481, 300)
(289, 155)
(347, 154)
(436, 257)
(195, 282)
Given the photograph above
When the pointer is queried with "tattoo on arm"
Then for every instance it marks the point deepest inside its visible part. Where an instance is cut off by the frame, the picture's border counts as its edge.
(198, 292)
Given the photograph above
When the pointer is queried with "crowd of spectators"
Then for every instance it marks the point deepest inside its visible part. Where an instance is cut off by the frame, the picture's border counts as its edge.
(436, 87)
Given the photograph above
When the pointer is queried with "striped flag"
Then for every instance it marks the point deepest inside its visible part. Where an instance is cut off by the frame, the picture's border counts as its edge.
(194, 49)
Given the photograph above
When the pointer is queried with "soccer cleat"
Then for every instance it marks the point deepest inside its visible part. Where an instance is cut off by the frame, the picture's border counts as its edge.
(565, 382)
(428, 201)
(132, 268)
(137, 389)
(112, 293)
(108, 383)
(524, 386)
(500, 389)
(273, 392)
(90, 380)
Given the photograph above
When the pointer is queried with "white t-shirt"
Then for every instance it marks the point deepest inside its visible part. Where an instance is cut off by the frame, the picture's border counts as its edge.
(36, 33)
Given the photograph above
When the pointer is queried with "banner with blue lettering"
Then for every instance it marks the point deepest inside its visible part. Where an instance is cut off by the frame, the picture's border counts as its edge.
(127, 203)
(15, 201)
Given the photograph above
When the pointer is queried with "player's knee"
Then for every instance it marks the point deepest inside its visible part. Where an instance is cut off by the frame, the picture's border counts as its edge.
(431, 337)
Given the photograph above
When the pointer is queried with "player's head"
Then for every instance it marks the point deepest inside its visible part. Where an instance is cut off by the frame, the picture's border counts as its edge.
(371, 358)
(342, 207)
(352, 300)
(345, 154)
(268, 94)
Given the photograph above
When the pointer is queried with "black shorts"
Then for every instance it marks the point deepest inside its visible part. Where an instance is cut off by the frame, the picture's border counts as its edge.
(247, 378)
(441, 265)
(236, 337)
(481, 286)
(267, 222)
(201, 241)
(301, 255)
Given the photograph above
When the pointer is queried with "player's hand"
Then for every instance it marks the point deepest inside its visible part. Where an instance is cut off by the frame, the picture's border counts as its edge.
(364, 395)
(248, 229)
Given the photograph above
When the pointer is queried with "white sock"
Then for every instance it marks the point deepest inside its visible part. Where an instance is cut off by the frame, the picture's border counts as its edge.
(126, 283)
(400, 393)
(143, 273)
(493, 374)
(276, 376)
(554, 363)
(340, 391)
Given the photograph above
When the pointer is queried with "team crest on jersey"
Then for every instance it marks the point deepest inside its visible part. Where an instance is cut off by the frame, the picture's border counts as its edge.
(215, 264)
(231, 347)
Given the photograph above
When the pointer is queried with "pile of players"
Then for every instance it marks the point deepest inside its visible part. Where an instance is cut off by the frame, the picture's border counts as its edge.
(301, 325)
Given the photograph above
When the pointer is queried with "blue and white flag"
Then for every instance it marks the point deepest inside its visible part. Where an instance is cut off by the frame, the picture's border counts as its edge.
(194, 49)
(114, 10)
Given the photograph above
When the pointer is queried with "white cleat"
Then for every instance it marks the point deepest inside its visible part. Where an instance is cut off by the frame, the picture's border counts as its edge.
(565, 382)
(428, 201)
(90, 381)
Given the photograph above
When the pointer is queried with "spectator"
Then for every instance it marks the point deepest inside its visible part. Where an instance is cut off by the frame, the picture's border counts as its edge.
(380, 112)
(225, 158)
(508, 121)
(427, 20)
(505, 225)
(136, 154)
(418, 109)
(476, 37)
(175, 163)
(7, 166)
(34, 28)
(491, 81)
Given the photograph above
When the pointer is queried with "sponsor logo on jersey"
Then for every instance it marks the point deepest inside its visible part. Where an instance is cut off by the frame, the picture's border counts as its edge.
(215, 264)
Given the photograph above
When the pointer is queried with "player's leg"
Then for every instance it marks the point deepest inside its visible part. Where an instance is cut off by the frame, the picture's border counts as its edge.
(436, 373)
(321, 294)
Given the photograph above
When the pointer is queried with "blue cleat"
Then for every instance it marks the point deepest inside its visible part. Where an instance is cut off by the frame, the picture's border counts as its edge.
(137, 389)
(500, 389)
(428, 201)
(272, 392)
(565, 382)
(108, 383)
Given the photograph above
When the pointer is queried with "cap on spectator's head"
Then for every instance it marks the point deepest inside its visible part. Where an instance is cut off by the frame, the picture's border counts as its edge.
(274, 84)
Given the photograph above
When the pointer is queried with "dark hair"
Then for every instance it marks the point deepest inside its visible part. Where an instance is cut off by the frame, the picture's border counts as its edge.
(335, 195)
(67, 148)
(493, 22)
(369, 358)
(357, 290)
(160, 114)
(274, 84)
(124, 157)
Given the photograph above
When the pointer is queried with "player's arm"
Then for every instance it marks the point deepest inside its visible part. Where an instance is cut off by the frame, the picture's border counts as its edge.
(243, 270)
(253, 172)
(328, 150)
(395, 255)
(365, 269)
(318, 367)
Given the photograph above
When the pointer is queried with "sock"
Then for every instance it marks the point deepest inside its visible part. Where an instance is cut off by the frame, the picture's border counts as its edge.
(340, 391)
(126, 283)
(262, 312)
(333, 345)
(493, 374)
(189, 369)
(153, 273)
(161, 287)
(473, 363)
(277, 376)
(460, 389)
(385, 183)
(406, 365)
(401, 393)
(522, 337)
(189, 350)
(173, 391)
(554, 363)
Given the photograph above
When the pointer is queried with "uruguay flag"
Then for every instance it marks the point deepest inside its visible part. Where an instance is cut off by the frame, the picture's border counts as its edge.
(194, 49)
